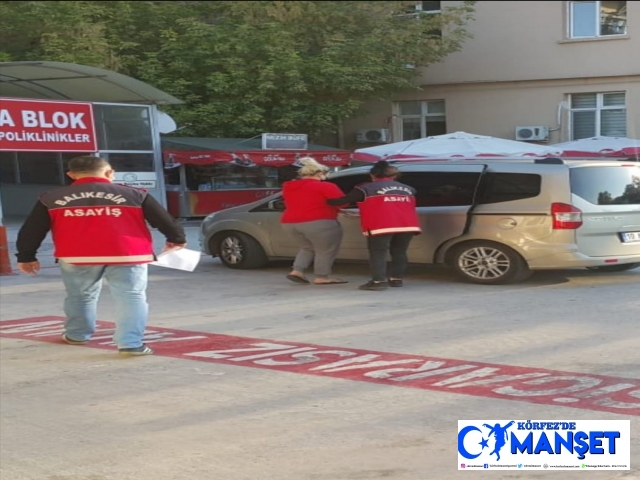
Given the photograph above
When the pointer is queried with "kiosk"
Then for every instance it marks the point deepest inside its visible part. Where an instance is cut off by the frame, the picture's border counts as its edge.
(51, 112)
(205, 175)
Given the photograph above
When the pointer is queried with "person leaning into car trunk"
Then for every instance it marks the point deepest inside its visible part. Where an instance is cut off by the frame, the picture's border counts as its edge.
(389, 221)
(312, 222)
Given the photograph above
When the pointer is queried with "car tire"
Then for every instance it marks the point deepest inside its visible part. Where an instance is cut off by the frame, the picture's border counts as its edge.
(239, 251)
(615, 268)
(488, 263)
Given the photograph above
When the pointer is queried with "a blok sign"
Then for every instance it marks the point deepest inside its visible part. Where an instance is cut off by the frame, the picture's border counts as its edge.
(46, 126)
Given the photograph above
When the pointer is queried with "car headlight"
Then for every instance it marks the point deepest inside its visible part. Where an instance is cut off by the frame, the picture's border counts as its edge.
(209, 218)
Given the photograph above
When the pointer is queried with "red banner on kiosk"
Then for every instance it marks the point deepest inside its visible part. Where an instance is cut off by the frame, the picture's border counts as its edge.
(46, 126)
(252, 158)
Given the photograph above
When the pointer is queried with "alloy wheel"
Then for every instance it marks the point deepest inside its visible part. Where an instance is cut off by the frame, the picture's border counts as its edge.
(484, 263)
(232, 250)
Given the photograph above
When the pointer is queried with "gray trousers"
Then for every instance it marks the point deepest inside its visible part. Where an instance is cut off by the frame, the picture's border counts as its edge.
(319, 242)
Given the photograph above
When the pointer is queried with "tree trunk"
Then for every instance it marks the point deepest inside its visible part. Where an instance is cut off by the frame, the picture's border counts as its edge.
(341, 143)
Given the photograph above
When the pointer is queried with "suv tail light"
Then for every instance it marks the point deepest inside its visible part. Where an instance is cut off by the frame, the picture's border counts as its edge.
(565, 217)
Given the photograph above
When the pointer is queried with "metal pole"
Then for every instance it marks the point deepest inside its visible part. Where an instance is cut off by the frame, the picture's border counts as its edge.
(183, 199)
(158, 161)
(5, 261)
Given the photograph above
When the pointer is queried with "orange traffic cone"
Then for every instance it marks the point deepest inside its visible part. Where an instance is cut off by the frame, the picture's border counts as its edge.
(5, 262)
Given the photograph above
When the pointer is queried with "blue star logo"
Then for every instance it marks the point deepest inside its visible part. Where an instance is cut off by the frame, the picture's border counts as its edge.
(484, 443)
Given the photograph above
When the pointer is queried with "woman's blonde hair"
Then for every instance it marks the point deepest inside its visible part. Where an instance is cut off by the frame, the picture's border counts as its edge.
(310, 167)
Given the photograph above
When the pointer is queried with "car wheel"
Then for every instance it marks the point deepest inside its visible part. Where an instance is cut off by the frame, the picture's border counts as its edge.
(239, 250)
(489, 263)
(615, 268)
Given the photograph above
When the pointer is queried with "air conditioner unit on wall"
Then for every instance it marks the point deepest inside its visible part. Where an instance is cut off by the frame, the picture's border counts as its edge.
(535, 133)
(374, 135)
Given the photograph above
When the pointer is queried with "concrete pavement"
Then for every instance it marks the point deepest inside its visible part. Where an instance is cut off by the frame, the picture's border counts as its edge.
(81, 413)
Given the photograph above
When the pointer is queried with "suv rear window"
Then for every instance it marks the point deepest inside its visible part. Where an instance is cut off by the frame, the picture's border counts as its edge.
(442, 189)
(434, 189)
(507, 187)
(447, 189)
(349, 182)
(607, 185)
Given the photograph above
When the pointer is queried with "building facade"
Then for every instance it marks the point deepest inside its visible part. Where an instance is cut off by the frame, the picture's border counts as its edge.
(543, 71)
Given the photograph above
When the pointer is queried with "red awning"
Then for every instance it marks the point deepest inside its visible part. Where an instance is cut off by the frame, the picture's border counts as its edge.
(252, 158)
(625, 152)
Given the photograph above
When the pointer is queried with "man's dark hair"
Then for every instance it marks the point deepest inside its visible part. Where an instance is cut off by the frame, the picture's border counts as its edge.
(87, 164)
(383, 169)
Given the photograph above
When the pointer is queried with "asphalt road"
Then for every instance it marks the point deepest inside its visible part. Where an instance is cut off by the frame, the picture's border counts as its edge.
(256, 378)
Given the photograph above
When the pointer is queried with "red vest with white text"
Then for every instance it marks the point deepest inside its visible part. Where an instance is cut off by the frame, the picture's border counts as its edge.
(388, 207)
(96, 222)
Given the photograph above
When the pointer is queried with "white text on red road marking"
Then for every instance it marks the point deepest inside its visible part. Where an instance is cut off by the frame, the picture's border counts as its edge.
(591, 392)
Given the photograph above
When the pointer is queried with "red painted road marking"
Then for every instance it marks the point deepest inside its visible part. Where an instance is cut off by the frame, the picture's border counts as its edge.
(533, 385)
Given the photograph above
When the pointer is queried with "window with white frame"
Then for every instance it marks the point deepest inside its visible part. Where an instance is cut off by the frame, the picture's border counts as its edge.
(415, 9)
(598, 114)
(597, 19)
(429, 7)
(421, 119)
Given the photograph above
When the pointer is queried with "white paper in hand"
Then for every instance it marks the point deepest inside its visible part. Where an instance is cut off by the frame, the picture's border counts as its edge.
(178, 258)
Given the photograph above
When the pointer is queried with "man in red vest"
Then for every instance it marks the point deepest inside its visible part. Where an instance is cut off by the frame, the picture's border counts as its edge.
(99, 231)
(389, 221)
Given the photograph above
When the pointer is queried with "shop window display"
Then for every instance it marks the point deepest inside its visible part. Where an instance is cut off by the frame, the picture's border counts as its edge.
(200, 181)
(227, 176)
(172, 178)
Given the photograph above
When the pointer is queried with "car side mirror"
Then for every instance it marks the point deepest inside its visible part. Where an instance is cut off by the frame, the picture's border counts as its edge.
(276, 205)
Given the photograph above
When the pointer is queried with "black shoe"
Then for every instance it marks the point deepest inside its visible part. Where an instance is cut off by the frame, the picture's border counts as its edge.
(376, 286)
(395, 283)
(137, 351)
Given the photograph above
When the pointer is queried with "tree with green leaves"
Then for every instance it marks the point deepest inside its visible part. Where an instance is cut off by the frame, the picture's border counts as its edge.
(245, 67)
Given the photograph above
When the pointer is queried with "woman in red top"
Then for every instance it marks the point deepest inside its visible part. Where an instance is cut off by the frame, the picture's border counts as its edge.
(312, 222)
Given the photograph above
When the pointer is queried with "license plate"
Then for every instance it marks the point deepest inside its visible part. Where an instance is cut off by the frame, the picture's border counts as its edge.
(630, 237)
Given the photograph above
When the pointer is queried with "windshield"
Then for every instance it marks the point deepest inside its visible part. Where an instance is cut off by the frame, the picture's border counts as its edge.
(615, 185)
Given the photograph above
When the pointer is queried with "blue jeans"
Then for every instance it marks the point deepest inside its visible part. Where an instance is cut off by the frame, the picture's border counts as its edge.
(128, 285)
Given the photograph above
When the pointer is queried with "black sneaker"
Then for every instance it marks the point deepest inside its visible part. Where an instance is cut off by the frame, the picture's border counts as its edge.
(395, 283)
(376, 286)
(137, 351)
